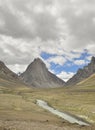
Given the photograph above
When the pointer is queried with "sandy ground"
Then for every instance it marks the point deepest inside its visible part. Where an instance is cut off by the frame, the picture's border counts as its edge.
(27, 125)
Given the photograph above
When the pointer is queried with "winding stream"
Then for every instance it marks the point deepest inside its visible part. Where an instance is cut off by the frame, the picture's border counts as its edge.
(63, 115)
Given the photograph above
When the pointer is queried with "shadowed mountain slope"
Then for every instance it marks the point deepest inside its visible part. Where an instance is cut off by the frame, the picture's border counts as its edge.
(38, 75)
(90, 81)
(6, 73)
(8, 78)
(82, 73)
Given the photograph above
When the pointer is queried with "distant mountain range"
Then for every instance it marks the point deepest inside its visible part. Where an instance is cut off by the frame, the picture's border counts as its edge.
(37, 75)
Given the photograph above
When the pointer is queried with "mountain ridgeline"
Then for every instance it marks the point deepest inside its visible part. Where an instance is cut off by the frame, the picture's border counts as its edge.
(82, 74)
(38, 75)
(6, 73)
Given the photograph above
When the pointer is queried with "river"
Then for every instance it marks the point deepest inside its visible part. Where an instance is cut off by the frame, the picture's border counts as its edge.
(64, 115)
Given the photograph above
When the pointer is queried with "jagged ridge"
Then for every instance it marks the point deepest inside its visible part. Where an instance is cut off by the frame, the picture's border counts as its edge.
(5, 72)
(83, 73)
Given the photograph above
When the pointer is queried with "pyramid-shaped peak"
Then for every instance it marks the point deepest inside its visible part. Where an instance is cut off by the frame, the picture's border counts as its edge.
(38, 60)
(38, 75)
(37, 63)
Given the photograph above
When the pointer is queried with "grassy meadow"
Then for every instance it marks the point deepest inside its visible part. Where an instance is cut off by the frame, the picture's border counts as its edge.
(19, 104)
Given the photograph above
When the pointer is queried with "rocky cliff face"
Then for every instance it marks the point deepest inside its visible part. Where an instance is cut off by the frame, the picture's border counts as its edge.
(38, 75)
(7, 73)
(83, 73)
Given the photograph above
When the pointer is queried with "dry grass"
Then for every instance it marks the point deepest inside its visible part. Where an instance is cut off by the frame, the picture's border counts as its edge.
(28, 125)
(18, 107)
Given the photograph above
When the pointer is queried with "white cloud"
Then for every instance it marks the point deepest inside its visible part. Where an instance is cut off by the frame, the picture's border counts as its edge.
(79, 62)
(60, 60)
(2, 23)
(91, 48)
(18, 51)
(17, 68)
(65, 75)
(63, 28)
(89, 58)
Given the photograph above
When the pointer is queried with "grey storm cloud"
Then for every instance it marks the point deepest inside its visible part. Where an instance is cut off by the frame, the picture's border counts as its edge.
(32, 18)
(24, 20)
(12, 55)
(82, 25)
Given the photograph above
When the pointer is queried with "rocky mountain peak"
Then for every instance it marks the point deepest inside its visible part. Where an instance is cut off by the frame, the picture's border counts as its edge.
(36, 64)
(93, 60)
(83, 73)
(38, 60)
(37, 75)
(5, 72)
(3, 68)
(2, 64)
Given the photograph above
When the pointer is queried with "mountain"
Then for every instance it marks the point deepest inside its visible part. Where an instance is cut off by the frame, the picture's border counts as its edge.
(6, 73)
(8, 78)
(82, 74)
(90, 81)
(38, 75)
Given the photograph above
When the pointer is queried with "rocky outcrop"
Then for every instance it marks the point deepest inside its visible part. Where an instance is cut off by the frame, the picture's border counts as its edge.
(38, 75)
(5, 72)
(82, 73)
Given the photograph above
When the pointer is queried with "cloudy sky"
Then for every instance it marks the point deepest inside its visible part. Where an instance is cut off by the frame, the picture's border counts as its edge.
(60, 32)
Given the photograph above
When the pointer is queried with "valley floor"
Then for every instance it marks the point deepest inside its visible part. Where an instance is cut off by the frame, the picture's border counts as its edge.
(31, 125)
(19, 111)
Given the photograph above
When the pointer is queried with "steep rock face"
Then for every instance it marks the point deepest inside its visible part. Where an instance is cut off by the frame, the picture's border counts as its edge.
(83, 73)
(6, 73)
(38, 75)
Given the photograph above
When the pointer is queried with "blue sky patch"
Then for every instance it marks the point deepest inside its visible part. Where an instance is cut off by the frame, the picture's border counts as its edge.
(69, 65)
